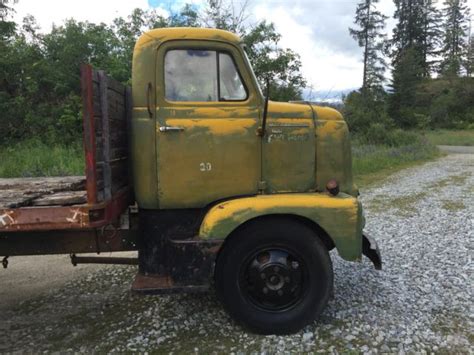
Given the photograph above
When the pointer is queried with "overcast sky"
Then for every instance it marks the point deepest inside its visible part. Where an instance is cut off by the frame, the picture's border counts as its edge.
(316, 29)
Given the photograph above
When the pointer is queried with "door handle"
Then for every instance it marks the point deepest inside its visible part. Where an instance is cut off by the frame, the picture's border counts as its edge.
(149, 91)
(171, 129)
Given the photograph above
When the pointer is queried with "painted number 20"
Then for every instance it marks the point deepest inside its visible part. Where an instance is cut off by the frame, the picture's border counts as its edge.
(205, 167)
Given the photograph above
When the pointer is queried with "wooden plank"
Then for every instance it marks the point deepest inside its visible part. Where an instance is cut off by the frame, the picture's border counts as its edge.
(117, 153)
(96, 96)
(20, 192)
(116, 86)
(120, 176)
(87, 75)
(66, 198)
(95, 76)
(104, 104)
(116, 106)
(119, 126)
(128, 119)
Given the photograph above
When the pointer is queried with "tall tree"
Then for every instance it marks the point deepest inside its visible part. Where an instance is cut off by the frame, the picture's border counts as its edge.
(7, 27)
(370, 37)
(261, 40)
(431, 38)
(405, 81)
(226, 15)
(470, 57)
(408, 57)
(269, 60)
(456, 17)
(409, 30)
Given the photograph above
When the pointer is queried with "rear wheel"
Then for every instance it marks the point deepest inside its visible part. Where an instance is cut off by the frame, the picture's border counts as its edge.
(274, 275)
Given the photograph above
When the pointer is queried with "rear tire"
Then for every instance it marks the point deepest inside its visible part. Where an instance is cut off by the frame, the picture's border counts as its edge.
(274, 276)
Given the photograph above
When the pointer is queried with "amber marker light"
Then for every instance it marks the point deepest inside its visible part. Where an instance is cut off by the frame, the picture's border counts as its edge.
(332, 187)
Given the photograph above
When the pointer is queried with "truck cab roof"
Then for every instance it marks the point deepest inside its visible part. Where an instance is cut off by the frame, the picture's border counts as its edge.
(177, 33)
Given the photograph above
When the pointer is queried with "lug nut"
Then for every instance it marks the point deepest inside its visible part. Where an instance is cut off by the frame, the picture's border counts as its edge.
(280, 293)
(265, 290)
(262, 275)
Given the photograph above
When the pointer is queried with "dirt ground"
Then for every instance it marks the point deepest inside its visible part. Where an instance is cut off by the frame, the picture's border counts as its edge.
(29, 277)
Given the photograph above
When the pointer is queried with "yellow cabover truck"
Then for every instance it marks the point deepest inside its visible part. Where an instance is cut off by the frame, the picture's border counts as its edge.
(211, 182)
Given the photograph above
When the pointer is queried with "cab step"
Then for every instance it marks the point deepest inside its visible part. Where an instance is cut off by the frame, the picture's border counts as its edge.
(162, 284)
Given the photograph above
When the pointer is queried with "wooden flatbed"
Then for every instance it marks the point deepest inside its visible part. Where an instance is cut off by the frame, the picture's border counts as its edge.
(72, 214)
(42, 191)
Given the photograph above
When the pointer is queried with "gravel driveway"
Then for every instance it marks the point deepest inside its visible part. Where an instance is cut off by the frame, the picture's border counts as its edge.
(421, 302)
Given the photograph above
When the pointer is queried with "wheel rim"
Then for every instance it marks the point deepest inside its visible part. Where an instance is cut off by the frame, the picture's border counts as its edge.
(273, 279)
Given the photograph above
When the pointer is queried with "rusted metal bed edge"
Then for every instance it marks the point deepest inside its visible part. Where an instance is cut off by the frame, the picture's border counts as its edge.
(64, 217)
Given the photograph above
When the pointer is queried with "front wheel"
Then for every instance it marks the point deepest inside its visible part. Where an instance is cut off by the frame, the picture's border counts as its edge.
(274, 276)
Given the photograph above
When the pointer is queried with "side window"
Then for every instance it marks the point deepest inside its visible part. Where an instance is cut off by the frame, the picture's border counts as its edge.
(231, 86)
(202, 75)
(191, 75)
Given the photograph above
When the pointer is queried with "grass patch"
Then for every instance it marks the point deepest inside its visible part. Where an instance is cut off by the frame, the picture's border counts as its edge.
(403, 204)
(372, 163)
(34, 158)
(453, 206)
(452, 180)
(450, 137)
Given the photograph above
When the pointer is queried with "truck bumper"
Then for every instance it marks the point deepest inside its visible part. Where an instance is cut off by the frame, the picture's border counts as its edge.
(371, 250)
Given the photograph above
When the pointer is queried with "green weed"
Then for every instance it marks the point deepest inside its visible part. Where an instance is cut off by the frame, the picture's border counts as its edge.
(451, 137)
(34, 158)
(373, 163)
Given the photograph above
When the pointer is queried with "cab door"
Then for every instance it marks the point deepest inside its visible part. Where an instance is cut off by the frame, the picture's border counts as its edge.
(207, 117)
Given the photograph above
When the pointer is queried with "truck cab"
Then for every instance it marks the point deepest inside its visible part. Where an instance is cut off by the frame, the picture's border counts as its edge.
(262, 189)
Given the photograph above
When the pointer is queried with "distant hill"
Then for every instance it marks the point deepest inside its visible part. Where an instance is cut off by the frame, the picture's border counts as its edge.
(328, 97)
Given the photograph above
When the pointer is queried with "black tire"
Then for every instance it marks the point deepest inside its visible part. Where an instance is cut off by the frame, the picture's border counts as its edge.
(274, 275)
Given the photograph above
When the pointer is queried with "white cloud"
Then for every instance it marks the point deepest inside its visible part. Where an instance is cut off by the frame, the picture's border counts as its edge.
(322, 66)
(316, 29)
(48, 12)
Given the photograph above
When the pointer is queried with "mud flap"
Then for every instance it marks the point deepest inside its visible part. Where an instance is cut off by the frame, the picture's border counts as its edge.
(371, 250)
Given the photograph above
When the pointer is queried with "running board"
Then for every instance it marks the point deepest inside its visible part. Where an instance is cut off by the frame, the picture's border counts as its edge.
(161, 284)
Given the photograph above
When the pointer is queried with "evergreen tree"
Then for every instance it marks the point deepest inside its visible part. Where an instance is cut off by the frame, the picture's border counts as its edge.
(418, 28)
(369, 36)
(470, 57)
(431, 37)
(410, 29)
(456, 16)
(405, 80)
(410, 55)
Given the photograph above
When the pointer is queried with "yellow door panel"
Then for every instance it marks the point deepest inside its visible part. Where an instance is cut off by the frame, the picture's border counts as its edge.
(209, 156)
